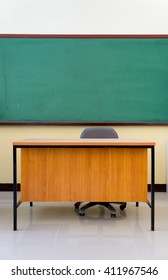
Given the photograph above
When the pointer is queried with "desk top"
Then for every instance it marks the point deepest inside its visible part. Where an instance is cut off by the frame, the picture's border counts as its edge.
(83, 142)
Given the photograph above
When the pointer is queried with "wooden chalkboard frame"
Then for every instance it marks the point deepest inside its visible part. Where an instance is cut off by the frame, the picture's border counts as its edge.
(138, 36)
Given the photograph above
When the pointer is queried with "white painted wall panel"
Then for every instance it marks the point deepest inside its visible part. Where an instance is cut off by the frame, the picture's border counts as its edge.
(84, 16)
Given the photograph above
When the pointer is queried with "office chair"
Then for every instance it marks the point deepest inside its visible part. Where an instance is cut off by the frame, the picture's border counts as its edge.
(99, 132)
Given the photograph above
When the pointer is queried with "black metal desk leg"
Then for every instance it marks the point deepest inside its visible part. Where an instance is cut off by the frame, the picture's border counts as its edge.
(14, 188)
(152, 188)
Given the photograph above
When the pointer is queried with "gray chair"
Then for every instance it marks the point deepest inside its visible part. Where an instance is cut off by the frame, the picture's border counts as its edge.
(99, 132)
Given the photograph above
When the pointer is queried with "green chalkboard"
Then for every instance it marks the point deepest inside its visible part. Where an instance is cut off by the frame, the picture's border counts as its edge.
(78, 80)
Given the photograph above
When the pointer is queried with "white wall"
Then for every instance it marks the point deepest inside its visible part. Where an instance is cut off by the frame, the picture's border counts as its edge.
(84, 16)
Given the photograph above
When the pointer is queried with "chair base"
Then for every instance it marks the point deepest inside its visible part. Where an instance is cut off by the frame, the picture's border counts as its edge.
(91, 204)
(105, 204)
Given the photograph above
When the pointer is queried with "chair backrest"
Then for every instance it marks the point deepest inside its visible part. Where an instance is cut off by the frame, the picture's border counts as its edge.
(99, 132)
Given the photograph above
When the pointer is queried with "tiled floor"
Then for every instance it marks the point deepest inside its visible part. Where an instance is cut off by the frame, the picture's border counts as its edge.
(55, 231)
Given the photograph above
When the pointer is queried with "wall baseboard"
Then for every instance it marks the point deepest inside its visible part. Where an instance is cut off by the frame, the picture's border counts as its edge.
(9, 187)
(158, 187)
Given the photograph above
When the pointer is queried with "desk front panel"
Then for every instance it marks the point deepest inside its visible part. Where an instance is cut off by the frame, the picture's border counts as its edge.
(83, 174)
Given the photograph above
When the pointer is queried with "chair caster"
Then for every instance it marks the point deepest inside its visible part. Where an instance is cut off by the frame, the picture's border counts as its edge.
(113, 215)
(76, 205)
(123, 206)
(81, 213)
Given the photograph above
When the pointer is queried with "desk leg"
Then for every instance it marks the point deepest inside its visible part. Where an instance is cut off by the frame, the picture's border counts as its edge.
(152, 188)
(14, 188)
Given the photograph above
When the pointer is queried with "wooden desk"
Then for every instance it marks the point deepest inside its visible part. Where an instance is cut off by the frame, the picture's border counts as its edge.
(83, 170)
